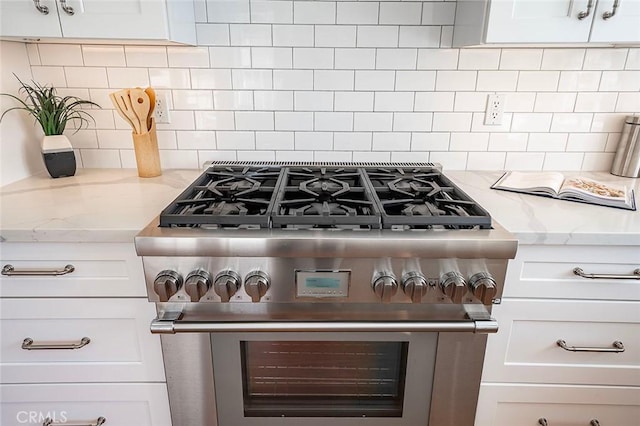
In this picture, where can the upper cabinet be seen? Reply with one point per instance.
(137, 20)
(547, 21)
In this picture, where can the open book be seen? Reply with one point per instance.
(581, 189)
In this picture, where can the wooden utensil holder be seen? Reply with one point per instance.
(147, 154)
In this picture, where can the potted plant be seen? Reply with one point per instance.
(53, 113)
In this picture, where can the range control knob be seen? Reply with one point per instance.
(256, 284)
(483, 287)
(454, 286)
(226, 284)
(414, 285)
(385, 286)
(198, 282)
(166, 284)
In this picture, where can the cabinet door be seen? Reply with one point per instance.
(20, 18)
(138, 19)
(622, 27)
(539, 21)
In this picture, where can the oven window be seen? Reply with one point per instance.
(323, 378)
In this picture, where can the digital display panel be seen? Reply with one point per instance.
(322, 284)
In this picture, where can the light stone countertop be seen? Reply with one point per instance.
(113, 205)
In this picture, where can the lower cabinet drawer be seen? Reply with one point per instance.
(526, 349)
(117, 345)
(524, 405)
(121, 404)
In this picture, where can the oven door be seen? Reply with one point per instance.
(367, 373)
(292, 379)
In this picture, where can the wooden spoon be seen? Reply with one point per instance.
(141, 105)
(122, 96)
(152, 100)
(117, 101)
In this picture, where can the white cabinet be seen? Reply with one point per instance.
(529, 375)
(76, 345)
(546, 21)
(141, 20)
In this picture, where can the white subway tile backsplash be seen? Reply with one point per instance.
(571, 122)
(360, 13)
(524, 161)
(274, 140)
(212, 34)
(271, 12)
(232, 100)
(82, 138)
(628, 102)
(393, 101)
(585, 142)
(60, 54)
(456, 80)
(438, 59)
(404, 13)
(33, 54)
(188, 57)
(250, 34)
(213, 120)
(296, 121)
(438, 13)
(446, 37)
(332, 156)
(450, 160)
(469, 141)
(235, 140)
(201, 139)
(193, 99)
(562, 161)
(293, 79)
(412, 121)
(377, 36)
(481, 59)
(538, 81)
(353, 101)
(432, 141)
(520, 102)
(230, 57)
(596, 102)
(547, 142)
(531, 122)
(120, 78)
(452, 121)
(409, 156)
(314, 12)
(355, 59)
(633, 59)
(226, 11)
(605, 59)
(106, 56)
(487, 160)
(600, 161)
(374, 80)
(252, 79)
(180, 120)
(313, 101)
(53, 76)
(521, 59)
(477, 123)
(101, 158)
(256, 155)
(508, 142)
(434, 101)
(497, 81)
(273, 100)
(174, 78)
(468, 101)
(372, 156)
(312, 58)
(143, 56)
(259, 120)
(333, 80)
(293, 35)
(200, 10)
(562, 59)
(397, 59)
(311, 141)
(574, 81)
(294, 156)
(372, 121)
(113, 139)
(419, 36)
(555, 102)
(204, 156)
(333, 121)
(210, 79)
(619, 81)
(335, 35)
(389, 141)
(604, 122)
(352, 141)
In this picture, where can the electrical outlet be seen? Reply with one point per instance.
(161, 111)
(495, 109)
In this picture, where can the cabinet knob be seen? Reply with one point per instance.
(166, 284)
(385, 286)
(256, 284)
(226, 284)
(454, 286)
(414, 285)
(198, 282)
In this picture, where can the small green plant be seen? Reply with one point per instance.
(50, 110)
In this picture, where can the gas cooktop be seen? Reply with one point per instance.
(335, 196)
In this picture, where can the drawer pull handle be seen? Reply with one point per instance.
(29, 345)
(42, 9)
(612, 13)
(543, 422)
(100, 421)
(583, 14)
(634, 276)
(617, 347)
(10, 271)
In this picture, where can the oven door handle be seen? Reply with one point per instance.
(169, 326)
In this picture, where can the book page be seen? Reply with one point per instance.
(594, 189)
(532, 181)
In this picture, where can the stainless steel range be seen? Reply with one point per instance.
(296, 294)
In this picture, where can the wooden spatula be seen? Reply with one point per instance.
(141, 105)
(124, 103)
(152, 100)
